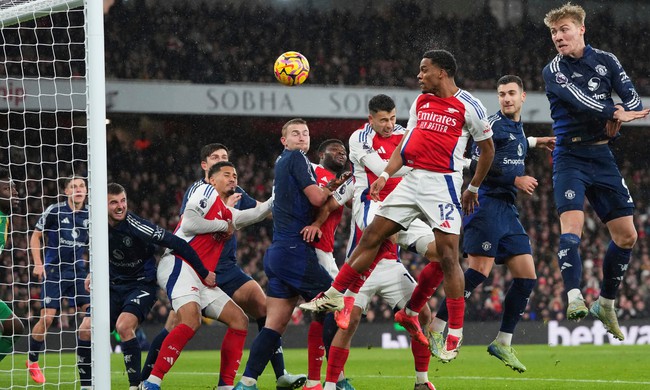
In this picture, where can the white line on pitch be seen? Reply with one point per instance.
(477, 378)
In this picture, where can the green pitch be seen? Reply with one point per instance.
(584, 367)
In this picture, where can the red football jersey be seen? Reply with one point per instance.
(326, 242)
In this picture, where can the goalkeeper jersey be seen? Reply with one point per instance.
(4, 229)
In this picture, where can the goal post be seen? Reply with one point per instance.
(96, 111)
(53, 126)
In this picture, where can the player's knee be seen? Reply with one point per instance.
(239, 322)
(355, 320)
(84, 335)
(47, 320)
(126, 331)
(371, 237)
(482, 267)
(172, 321)
(448, 263)
(84, 330)
(626, 240)
(193, 322)
(256, 307)
(426, 246)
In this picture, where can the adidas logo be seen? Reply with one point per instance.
(65, 220)
(445, 224)
(565, 266)
(512, 137)
(327, 306)
(575, 75)
(169, 360)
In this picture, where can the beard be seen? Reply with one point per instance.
(333, 165)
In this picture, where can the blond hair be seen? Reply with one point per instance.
(295, 121)
(568, 10)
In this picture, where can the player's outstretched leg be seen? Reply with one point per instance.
(412, 325)
(577, 309)
(571, 269)
(615, 264)
(330, 300)
(315, 351)
(436, 343)
(607, 315)
(35, 348)
(456, 310)
(514, 306)
(506, 354)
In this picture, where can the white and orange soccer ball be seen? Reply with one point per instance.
(291, 68)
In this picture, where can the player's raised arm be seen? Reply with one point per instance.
(243, 218)
(193, 219)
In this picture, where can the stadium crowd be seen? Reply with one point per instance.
(148, 42)
(156, 184)
(380, 46)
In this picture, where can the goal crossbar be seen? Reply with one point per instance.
(17, 11)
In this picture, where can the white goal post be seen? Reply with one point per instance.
(52, 97)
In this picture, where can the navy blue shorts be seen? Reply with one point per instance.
(232, 279)
(67, 285)
(494, 230)
(590, 171)
(136, 298)
(293, 269)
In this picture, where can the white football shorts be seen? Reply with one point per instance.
(364, 212)
(391, 281)
(183, 285)
(327, 261)
(430, 196)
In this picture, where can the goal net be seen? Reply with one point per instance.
(49, 114)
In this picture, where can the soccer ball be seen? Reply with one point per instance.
(291, 68)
